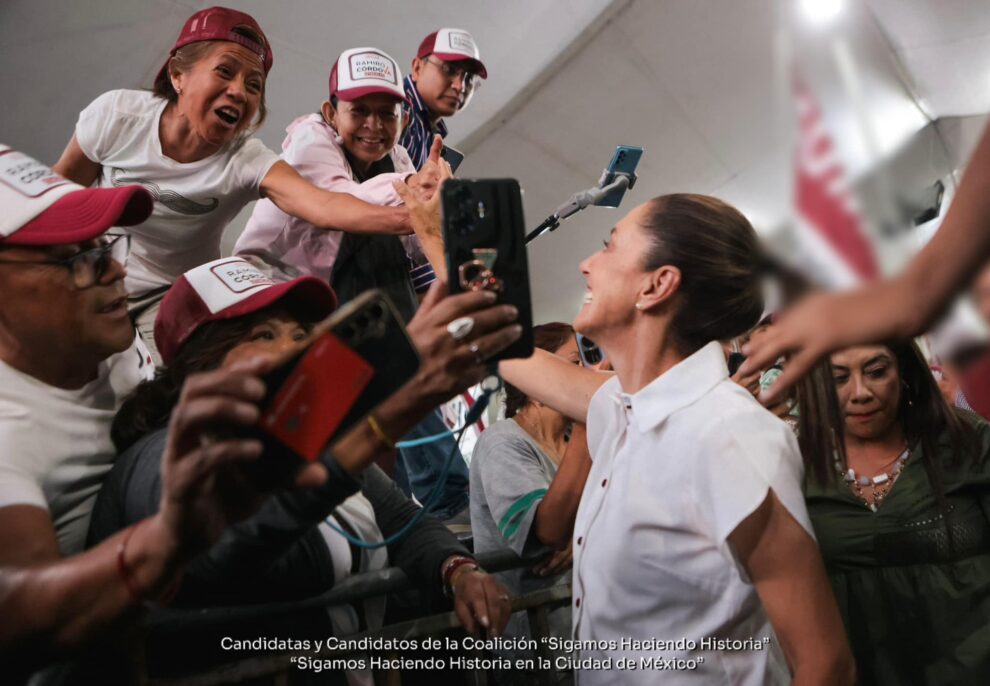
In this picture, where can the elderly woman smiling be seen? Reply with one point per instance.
(188, 142)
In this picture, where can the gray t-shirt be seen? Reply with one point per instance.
(510, 474)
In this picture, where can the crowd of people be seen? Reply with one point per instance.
(826, 505)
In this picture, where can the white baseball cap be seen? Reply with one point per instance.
(362, 71)
(453, 45)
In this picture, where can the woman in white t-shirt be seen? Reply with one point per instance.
(692, 535)
(189, 142)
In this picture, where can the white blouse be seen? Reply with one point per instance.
(677, 467)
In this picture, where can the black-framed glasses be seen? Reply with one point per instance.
(88, 266)
(471, 80)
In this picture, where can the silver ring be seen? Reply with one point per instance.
(478, 359)
(460, 327)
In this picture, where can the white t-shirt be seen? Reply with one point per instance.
(55, 446)
(677, 467)
(194, 201)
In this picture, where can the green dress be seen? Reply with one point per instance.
(916, 609)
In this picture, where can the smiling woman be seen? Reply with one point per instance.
(904, 522)
(189, 143)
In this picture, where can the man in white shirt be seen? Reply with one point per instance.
(67, 354)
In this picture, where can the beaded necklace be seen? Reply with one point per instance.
(879, 484)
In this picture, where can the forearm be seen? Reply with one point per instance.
(554, 522)
(433, 249)
(52, 608)
(554, 381)
(344, 212)
(396, 416)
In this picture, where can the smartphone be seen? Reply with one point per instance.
(735, 361)
(453, 156)
(485, 240)
(348, 364)
(624, 160)
(590, 353)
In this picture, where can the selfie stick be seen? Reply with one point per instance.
(579, 201)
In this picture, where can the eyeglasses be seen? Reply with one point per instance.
(88, 266)
(470, 80)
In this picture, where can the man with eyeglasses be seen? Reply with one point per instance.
(446, 72)
(68, 355)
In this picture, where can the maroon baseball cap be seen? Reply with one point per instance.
(362, 71)
(42, 208)
(218, 23)
(228, 288)
(453, 45)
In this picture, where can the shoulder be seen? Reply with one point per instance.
(136, 103)
(500, 440)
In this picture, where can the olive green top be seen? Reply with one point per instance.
(915, 600)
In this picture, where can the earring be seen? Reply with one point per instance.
(639, 306)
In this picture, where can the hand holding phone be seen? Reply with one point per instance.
(484, 236)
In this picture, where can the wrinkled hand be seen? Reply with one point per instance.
(423, 204)
(427, 180)
(556, 564)
(203, 488)
(450, 366)
(481, 602)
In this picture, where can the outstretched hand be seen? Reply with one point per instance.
(204, 489)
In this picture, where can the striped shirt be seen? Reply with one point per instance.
(418, 136)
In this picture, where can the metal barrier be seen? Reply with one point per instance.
(162, 623)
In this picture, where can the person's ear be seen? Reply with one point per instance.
(415, 69)
(329, 113)
(176, 77)
(659, 287)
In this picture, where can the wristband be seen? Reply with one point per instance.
(380, 432)
(451, 566)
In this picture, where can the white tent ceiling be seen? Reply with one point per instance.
(698, 83)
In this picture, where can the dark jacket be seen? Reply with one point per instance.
(278, 554)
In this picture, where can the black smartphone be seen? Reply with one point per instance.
(453, 156)
(350, 362)
(590, 353)
(735, 362)
(485, 240)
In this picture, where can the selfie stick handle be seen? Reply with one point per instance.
(579, 201)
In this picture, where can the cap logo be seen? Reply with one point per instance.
(240, 276)
(26, 175)
(461, 41)
(372, 65)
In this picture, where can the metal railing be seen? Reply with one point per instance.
(168, 623)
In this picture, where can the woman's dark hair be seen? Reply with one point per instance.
(550, 337)
(927, 420)
(188, 55)
(720, 260)
(150, 406)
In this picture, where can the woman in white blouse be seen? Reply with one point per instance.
(692, 536)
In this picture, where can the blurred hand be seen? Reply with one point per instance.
(449, 366)
(423, 203)
(481, 602)
(556, 564)
(427, 180)
(203, 488)
(816, 326)
(751, 381)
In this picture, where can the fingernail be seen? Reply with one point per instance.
(247, 413)
(512, 312)
(517, 330)
(484, 621)
(255, 388)
(490, 296)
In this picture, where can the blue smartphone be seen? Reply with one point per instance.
(624, 160)
(590, 353)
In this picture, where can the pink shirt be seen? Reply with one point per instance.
(293, 246)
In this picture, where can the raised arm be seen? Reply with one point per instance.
(75, 166)
(550, 379)
(784, 564)
(896, 308)
(296, 196)
(554, 522)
